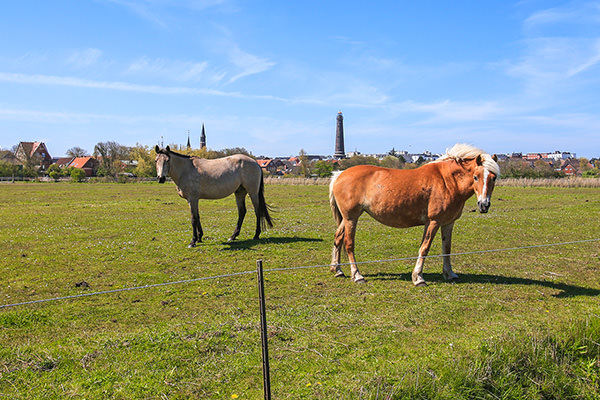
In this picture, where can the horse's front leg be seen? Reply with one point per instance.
(196, 227)
(431, 228)
(350, 233)
(447, 249)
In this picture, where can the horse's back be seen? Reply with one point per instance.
(394, 197)
(217, 178)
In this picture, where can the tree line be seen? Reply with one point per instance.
(111, 156)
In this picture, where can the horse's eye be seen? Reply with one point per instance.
(475, 178)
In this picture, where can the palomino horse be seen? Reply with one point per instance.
(199, 178)
(432, 195)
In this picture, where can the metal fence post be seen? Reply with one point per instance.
(263, 331)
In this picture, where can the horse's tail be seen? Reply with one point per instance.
(337, 215)
(263, 207)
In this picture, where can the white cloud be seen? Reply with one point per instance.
(182, 71)
(249, 64)
(585, 13)
(451, 111)
(125, 86)
(155, 11)
(84, 58)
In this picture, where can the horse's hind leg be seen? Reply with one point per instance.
(447, 249)
(350, 227)
(256, 203)
(336, 252)
(240, 199)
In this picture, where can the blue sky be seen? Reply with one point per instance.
(271, 76)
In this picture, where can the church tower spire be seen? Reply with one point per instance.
(339, 137)
(189, 145)
(203, 138)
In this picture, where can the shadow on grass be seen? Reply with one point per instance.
(566, 290)
(248, 244)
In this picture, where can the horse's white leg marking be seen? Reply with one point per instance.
(349, 242)
(336, 251)
(446, 250)
(429, 233)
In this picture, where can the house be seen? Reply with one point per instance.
(88, 164)
(63, 162)
(560, 155)
(271, 165)
(532, 156)
(569, 168)
(34, 152)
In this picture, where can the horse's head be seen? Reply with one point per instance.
(162, 163)
(484, 179)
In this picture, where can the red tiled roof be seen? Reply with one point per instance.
(80, 162)
(263, 163)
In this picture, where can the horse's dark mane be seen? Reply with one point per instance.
(177, 154)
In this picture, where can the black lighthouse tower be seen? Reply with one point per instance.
(339, 137)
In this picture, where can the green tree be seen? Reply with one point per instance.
(110, 155)
(77, 175)
(392, 162)
(77, 152)
(304, 163)
(584, 165)
(145, 157)
(55, 172)
(322, 168)
(358, 160)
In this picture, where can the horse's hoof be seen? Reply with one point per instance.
(231, 239)
(422, 283)
(191, 245)
(340, 275)
(256, 238)
(360, 281)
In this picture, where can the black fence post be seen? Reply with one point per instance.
(263, 331)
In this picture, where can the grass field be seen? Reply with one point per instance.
(519, 324)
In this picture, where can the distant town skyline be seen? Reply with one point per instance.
(500, 75)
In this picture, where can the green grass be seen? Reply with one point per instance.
(519, 324)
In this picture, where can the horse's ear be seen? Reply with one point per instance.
(157, 149)
(479, 160)
(495, 158)
(168, 148)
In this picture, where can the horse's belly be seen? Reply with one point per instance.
(399, 219)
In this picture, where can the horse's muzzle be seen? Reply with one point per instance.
(483, 206)
(161, 179)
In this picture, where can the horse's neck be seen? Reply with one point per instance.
(178, 167)
(462, 177)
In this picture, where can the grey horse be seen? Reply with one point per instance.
(198, 178)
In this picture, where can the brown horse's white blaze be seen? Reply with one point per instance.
(432, 195)
(198, 178)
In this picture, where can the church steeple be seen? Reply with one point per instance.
(203, 138)
(339, 137)
(189, 145)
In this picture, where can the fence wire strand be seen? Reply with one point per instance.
(205, 278)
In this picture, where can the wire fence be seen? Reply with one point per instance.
(184, 281)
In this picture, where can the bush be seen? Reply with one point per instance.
(77, 175)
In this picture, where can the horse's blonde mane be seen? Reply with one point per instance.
(462, 151)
